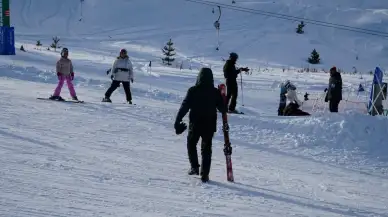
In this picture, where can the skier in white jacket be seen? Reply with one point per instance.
(122, 72)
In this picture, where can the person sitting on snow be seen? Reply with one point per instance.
(284, 87)
(292, 109)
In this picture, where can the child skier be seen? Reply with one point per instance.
(65, 72)
(122, 72)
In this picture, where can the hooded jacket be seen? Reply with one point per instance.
(122, 69)
(203, 100)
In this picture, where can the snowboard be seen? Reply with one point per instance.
(65, 100)
(227, 144)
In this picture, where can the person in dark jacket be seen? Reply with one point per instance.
(230, 74)
(334, 91)
(202, 100)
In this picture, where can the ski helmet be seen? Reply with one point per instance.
(124, 51)
(233, 55)
(64, 50)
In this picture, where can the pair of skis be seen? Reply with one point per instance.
(64, 100)
(227, 145)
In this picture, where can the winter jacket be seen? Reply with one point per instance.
(230, 71)
(202, 100)
(122, 69)
(64, 66)
(292, 97)
(283, 91)
(334, 92)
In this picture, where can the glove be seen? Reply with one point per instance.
(108, 71)
(325, 90)
(131, 80)
(59, 75)
(72, 76)
(180, 127)
(244, 69)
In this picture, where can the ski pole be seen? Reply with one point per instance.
(242, 90)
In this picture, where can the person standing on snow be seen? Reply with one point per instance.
(65, 72)
(230, 74)
(202, 100)
(334, 91)
(122, 72)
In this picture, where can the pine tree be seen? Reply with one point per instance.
(55, 43)
(299, 30)
(168, 52)
(38, 44)
(314, 59)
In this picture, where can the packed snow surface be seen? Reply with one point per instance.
(98, 159)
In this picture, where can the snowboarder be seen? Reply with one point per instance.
(292, 109)
(284, 87)
(230, 74)
(122, 72)
(65, 72)
(334, 91)
(202, 100)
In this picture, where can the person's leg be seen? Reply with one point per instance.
(71, 88)
(112, 88)
(57, 91)
(234, 92)
(192, 141)
(127, 90)
(206, 152)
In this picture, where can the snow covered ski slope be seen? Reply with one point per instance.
(98, 159)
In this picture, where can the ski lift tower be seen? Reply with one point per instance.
(7, 33)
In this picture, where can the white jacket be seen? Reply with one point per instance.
(122, 75)
(292, 97)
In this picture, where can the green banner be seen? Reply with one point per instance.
(6, 14)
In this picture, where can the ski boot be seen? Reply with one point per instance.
(58, 98)
(106, 100)
(193, 171)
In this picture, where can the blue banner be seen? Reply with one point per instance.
(7, 40)
(377, 80)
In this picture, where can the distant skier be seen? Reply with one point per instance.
(230, 74)
(65, 72)
(122, 72)
(202, 100)
(284, 87)
(334, 91)
(292, 108)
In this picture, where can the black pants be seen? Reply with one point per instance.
(282, 106)
(206, 149)
(333, 105)
(232, 92)
(115, 85)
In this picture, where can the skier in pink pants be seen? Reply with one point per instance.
(65, 73)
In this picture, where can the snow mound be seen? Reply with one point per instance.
(351, 140)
